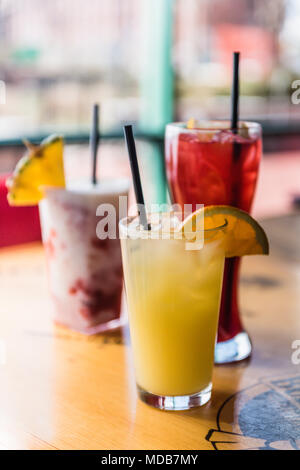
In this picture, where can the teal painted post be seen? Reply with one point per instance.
(156, 88)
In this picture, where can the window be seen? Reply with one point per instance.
(59, 57)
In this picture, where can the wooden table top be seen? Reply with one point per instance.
(62, 390)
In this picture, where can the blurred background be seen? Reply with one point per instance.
(150, 62)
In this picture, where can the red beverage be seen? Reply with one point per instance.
(212, 165)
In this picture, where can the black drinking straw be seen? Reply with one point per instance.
(235, 93)
(94, 141)
(136, 175)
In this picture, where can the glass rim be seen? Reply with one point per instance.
(124, 224)
(182, 125)
(83, 187)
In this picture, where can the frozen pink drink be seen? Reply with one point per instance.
(84, 271)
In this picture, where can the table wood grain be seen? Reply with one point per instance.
(62, 390)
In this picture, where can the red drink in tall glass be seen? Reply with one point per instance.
(212, 165)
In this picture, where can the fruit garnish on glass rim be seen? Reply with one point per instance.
(240, 233)
(42, 165)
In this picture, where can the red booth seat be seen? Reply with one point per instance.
(17, 224)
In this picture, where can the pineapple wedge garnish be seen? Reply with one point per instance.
(41, 166)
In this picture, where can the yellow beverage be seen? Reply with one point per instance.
(173, 299)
